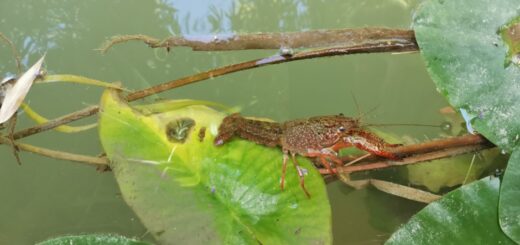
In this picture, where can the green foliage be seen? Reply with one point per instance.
(187, 191)
(509, 205)
(93, 239)
(469, 47)
(465, 54)
(462, 216)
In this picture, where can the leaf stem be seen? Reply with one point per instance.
(56, 154)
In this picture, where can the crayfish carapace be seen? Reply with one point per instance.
(318, 137)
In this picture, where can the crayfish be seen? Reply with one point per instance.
(319, 137)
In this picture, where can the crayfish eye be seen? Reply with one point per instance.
(341, 129)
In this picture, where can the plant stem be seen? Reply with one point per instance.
(16, 55)
(88, 111)
(56, 154)
(382, 46)
(276, 59)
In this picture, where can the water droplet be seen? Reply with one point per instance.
(286, 52)
(516, 59)
(446, 126)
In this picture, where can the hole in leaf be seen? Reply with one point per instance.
(178, 130)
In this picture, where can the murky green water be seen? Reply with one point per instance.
(45, 197)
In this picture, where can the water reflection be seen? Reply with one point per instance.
(70, 31)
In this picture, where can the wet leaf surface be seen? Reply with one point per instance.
(466, 55)
(509, 204)
(471, 51)
(187, 191)
(467, 215)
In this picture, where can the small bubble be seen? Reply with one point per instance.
(286, 52)
(446, 126)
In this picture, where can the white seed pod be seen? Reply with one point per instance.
(15, 94)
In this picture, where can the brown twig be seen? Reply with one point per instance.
(88, 111)
(16, 55)
(294, 40)
(11, 127)
(422, 152)
(57, 154)
(383, 46)
(276, 59)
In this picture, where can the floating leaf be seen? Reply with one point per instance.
(467, 215)
(187, 191)
(94, 239)
(471, 50)
(509, 204)
(465, 55)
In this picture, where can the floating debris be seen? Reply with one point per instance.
(468, 119)
(13, 95)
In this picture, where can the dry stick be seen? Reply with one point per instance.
(295, 40)
(11, 127)
(15, 52)
(410, 45)
(88, 111)
(57, 154)
(425, 152)
(276, 59)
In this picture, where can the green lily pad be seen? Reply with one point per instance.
(467, 215)
(465, 54)
(92, 239)
(471, 50)
(187, 191)
(509, 204)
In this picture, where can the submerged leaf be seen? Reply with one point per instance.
(190, 192)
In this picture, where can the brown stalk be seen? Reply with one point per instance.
(382, 46)
(290, 40)
(88, 111)
(16, 55)
(56, 154)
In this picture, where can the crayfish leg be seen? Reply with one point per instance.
(323, 156)
(300, 175)
(284, 167)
